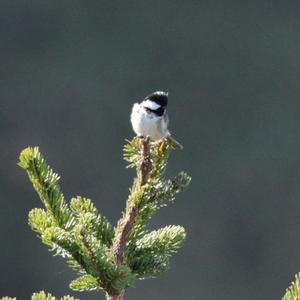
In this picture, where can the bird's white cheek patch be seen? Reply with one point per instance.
(150, 104)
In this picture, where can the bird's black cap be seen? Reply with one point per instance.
(161, 98)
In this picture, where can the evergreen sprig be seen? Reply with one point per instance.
(45, 182)
(108, 258)
(150, 256)
(293, 292)
(43, 296)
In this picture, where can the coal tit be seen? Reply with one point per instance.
(150, 118)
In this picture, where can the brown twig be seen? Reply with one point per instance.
(146, 165)
(115, 297)
(128, 221)
(128, 224)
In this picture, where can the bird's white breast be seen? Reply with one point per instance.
(148, 124)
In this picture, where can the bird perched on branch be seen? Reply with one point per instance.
(150, 118)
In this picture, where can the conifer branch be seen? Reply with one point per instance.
(151, 255)
(108, 258)
(293, 292)
(45, 182)
(127, 225)
(146, 165)
(43, 296)
(127, 222)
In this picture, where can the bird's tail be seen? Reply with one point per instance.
(175, 144)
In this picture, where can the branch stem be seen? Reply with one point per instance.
(115, 297)
(146, 165)
(128, 221)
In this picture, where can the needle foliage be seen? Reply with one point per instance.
(105, 257)
(43, 296)
(293, 292)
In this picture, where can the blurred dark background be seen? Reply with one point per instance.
(70, 72)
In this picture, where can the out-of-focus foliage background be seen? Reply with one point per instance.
(70, 71)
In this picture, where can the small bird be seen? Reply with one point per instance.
(150, 118)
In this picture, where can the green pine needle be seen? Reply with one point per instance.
(45, 182)
(84, 283)
(293, 292)
(43, 296)
(87, 214)
(86, 239)
(152, 252)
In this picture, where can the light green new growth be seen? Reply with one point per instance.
(42, 296)
(105, 257)
(293, 292)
